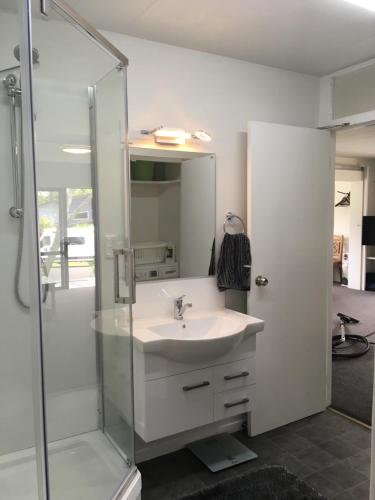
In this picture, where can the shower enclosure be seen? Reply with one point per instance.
(66, 389)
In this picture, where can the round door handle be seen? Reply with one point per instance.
(261, 281)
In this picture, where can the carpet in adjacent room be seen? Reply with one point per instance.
(352, 379)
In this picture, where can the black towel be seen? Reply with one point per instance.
(212, 270)
(235, 254)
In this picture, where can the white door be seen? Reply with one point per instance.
(290, 224)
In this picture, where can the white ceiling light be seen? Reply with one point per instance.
(76, 149)
(365, 4)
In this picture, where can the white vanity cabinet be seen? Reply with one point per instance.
(173, 397)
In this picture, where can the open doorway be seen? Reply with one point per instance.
(354, 271)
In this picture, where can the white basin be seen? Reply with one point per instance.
(191, 328)
(202, 335)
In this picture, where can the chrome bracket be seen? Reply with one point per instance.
(43, 7)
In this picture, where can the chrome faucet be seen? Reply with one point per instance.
(180, 307)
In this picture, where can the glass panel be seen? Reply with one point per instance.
(82, 199)
(50, 234)
(354, 92)
(81, 237)
(109, 104)
(19, 321)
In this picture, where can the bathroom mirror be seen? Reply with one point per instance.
(172, 213)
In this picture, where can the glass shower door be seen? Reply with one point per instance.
(82, 176)
(115, 259)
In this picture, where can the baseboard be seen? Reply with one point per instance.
(146, 451)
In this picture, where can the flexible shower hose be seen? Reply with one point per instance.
(21, 227)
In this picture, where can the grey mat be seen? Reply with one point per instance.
(352, 379)
(268, 483)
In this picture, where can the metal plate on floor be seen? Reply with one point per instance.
(221, 452)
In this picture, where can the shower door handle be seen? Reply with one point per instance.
(128, 254)
(43, 7)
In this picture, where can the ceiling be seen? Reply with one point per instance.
(356, 142)
(308, 36)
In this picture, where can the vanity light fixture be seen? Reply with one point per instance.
(175, 136)
(76, 149)
(365, 4)
(202, 135)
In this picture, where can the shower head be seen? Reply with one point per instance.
(16, 53)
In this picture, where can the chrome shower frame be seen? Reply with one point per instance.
(72, 15)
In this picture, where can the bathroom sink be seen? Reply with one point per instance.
(191, 328)
(201, 335)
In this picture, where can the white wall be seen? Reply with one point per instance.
(155, 213)
(145, 207)
(342, 214)
(190, 89)
(348, 222)
(16, 407)
(356, 215)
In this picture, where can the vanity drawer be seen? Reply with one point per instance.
(234, 375)
(178, 403)
(234, 402)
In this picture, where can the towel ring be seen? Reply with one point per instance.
(228, 219)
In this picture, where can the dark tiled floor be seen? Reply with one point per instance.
(329, 452)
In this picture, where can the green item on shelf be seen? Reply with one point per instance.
(159, 171)
(142, 170)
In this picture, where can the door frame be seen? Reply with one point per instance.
(331, 215)
(334, 127)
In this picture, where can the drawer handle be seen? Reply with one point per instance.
(239, 375)
(237, 403)
(197, 386)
